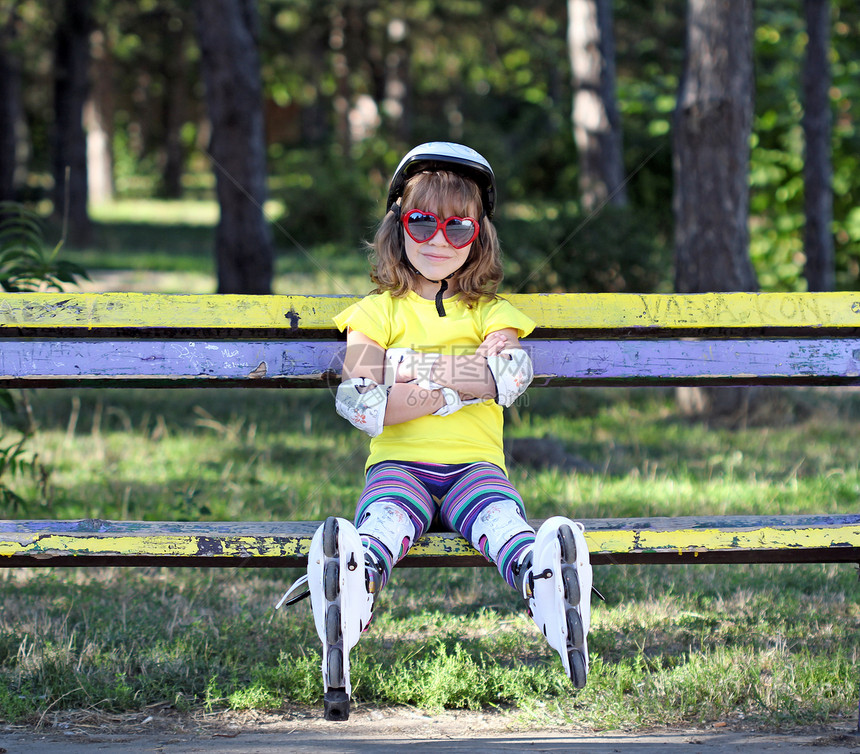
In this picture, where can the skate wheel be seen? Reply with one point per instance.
(568, 544)
(329, 542)
(332, 625)
(577, 668)
(571, 584)
(335, 667)
(331, 580)
(575, 634)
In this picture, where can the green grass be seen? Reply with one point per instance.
(767, 645)
(168, 246)
(771, 645)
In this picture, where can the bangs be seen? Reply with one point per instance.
(444, 194)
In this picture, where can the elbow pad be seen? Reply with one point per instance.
(362, 403)
(512, 370)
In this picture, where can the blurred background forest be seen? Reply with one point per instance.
(347, 86)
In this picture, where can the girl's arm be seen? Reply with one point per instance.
(366, 358)
(469, 375)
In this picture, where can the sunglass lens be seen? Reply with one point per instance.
(460, 231)
(421, 227)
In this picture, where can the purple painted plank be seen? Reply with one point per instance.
(678, 358)
(162, 358)
(309, 362)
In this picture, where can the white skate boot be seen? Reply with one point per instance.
(555, 579)
(342, 602)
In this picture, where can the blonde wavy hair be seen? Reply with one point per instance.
(445, 194)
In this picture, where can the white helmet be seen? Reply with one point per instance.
(445, 155)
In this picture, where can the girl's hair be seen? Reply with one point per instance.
(445, 194)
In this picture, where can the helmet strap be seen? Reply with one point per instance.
(443, 284)
(440, 307)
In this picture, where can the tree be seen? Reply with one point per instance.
(98, 113)
(713, 122)
(10, 107)
(596, 122)
(227, 33)
(171, 25)
(820, 269)
(71, 89)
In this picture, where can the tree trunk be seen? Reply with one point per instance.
(711, 160)
(10, 111)
(173, 104)
(315, 126)
(711, 170)
(340, 70)
(596, 122)
(71, 88)
(98, 113)
(227, 34)
(818, 238)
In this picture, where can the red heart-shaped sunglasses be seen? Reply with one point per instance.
(458, 231)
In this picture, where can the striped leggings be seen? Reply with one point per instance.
(401, 499)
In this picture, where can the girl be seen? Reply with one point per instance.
(432, 356)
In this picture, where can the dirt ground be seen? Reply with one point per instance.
(371, 730)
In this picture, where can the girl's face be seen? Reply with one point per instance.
(445, 195)
(435, 259)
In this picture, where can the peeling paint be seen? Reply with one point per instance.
(96, 540)
(601, 311)
(260, 372)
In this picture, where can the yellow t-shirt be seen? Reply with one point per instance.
(472, 434)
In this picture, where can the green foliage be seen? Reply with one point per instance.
(14, 706)
(16, 461)
(327, 199)
(25, 263)
(776, 178)
(452, 673)
(554, 248)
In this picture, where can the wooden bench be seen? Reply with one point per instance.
(151, 340)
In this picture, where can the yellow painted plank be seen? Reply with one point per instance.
(52, 545)
(111, 310)
(553, 311)
(714, 540)
(434, 545)
(704, 310)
